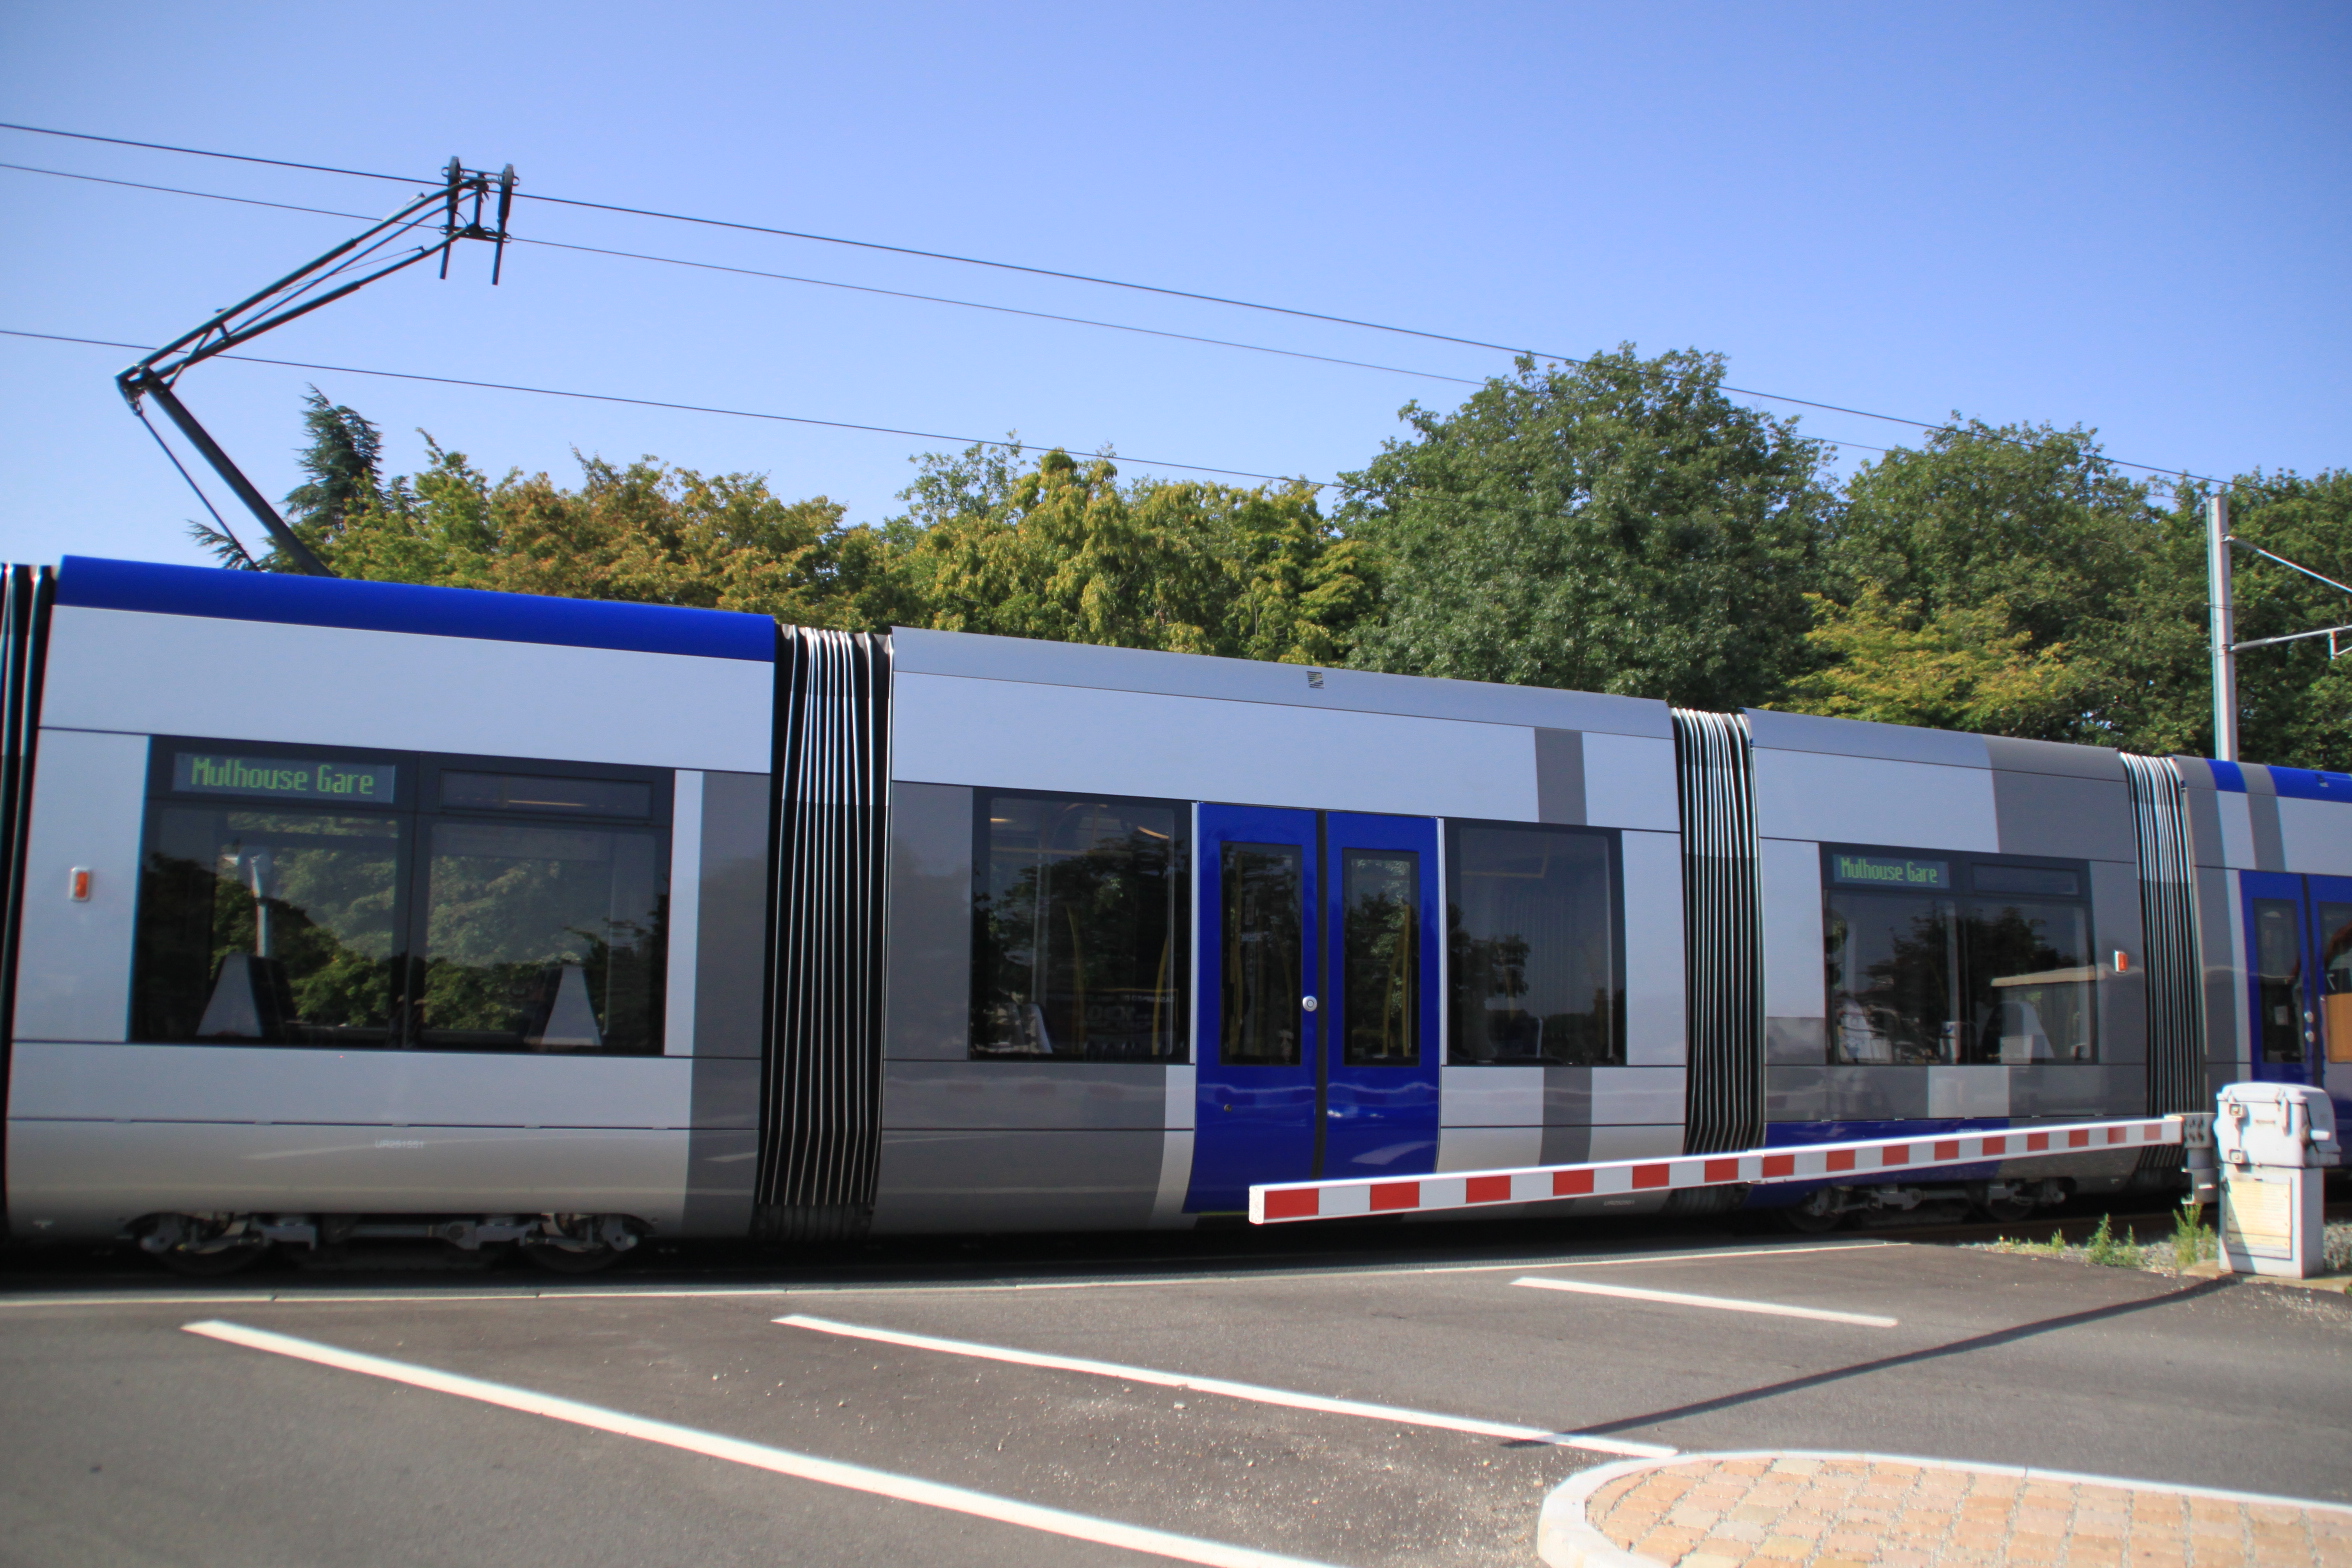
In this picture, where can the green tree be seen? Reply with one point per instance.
(1616, 526)
(2294, 701)
(1963, 668)
(342, 462)
(2003, 579)
(1059, 549)
(647, 533)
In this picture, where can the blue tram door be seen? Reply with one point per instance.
(1318, 1041)
(2299, 977)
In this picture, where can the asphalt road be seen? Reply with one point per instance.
(126, 1439)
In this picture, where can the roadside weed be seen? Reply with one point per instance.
(2104, 1248)
(2193, 1240)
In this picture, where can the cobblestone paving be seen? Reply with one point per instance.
(1837, 1513)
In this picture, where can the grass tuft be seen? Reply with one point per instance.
(2103, 1247)
(2193, 1241)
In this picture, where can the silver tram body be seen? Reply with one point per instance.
(346, 902)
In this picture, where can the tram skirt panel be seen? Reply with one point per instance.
(821, 1071)
(1723, 936)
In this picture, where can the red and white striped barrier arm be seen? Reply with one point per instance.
(1279, 1202)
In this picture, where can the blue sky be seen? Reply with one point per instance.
(2132, 217)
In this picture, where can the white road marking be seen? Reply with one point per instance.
(459, 1296)
(806, 1467)
(1676, 1298)
(1256, 1393)
(1686, 1257)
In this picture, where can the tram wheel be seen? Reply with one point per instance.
(211, 1265)
(2006, 1211)
(1814, 1213)
(559, 1260)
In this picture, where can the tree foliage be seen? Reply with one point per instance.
(1997, 579)
(1059, 549)
(343, 465)
(645, 533)
(1620, 525)
(2294, 701)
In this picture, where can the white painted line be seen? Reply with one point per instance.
(805, 1467)
(1256, 1393)
(1686, 1257)
(1676, 1298)
(461, 1297)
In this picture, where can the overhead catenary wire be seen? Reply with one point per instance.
(781, 277)
(676, 261)
(1931, 426)
(685, 408)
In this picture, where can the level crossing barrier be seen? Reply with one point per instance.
(1277, 1203)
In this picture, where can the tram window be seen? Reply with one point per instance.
(1893, 970)
(538, 938)
(2335, 972)
(1534, 946)
(1380, 893)
(1078, 932)
(273, 911)
(2029, 978)
(2026, 879)
(1262, 888)
(268, 927)
(571, 797)
(2278, 978)
(1919, 975)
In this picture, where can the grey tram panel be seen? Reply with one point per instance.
(1245, 680)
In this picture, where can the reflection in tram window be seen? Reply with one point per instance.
(1534, 946)
(539, 938)
(1893, 971)
(1380, 891)
(290, 918)
(1918, 975)
(268, 927)
(2030, 977)
(2335, 969)
(2278, 978)
(1262, 888)
(1079, 912)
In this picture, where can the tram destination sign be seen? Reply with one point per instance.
(286, 778)
(1890, 871)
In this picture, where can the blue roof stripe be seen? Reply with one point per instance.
(96, 584)
(2228, 776)
(2308, 784)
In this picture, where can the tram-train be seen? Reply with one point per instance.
(343, 909)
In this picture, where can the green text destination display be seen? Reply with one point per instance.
(287, 778)
(1889, 871)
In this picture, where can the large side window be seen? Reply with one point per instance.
(1535, 949)
(542, 926)
(316, 897)
(1956, 959)
(1080, 909)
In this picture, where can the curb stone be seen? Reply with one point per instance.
(1565, 1538)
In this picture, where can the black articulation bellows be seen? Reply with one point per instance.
(25, 596)
(821, 1061)
(2168, 910)
(1723, 933)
